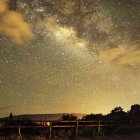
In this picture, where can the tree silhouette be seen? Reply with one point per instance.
(135, 108)
(96, 117)
(117, 114)
(11, 116)
(117, 110)
(134, 113)
(68, 117)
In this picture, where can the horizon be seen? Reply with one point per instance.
(58, 113)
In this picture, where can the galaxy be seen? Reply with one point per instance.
(69, 56)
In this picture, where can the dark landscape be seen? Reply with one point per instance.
(117, 125)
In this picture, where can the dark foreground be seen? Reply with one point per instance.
(115, 137)
(121, 134)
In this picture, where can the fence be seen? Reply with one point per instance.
(50, 125)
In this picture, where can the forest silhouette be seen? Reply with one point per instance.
(117, 115)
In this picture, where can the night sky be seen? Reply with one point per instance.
(69, 56)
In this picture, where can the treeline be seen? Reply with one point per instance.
(117, 114)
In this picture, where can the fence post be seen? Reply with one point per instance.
(50, 131)
(77, 128)
(19, 133)
(99, 128)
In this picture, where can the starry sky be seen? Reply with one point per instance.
(69, 56)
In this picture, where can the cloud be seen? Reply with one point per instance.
(13, 25)
(3, 6)
(126, 55)
(5, 107)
